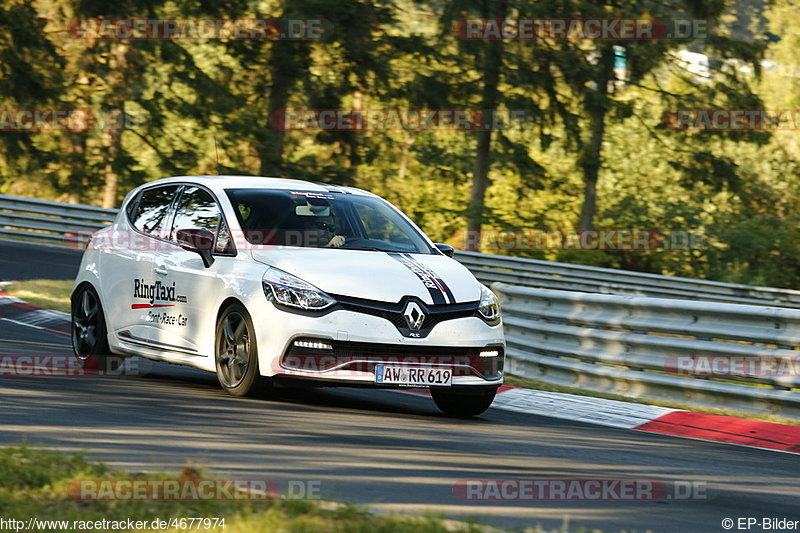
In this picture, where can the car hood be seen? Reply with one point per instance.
(387, 277)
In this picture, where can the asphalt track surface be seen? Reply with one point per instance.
(22, 260)
(389, 450)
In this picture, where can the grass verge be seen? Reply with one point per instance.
(34, 484)
(47, 293)
(54, 294)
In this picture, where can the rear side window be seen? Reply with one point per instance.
(150, 214)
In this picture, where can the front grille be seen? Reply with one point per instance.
(393, 312)
(362, 357)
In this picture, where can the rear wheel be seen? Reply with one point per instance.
(237, 353)
(89, 333)
(464, 402)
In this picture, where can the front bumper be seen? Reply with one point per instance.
(355, 362)
(359, 341)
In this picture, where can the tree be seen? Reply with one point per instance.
(30, 77)
(588, 70)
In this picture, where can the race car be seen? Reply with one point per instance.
(272, 282)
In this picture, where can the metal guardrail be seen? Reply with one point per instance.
(582, 278)
(50, 222)
(562, 329)
(737, 357)
(62, 223)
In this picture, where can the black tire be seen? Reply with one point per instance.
(89, 332)
(463, 402)
(236, 354)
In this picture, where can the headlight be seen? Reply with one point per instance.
(294, 292)
(489, 307)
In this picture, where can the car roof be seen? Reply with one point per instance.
(219, 183)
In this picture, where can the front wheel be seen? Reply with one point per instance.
(237, 353)
(463, 402)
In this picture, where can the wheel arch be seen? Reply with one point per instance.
(82, 285)
(227, 302)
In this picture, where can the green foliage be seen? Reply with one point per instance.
(39, 483)
(203, 106)
(31, 468)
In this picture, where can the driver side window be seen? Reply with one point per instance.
(197, 209)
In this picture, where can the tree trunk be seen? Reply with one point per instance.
(493, 61)
(75, 146)
(591, 158)
(288, 64)
(270, 146)
(405, 155)
(352, 138)
(113, 127)
(112, 139)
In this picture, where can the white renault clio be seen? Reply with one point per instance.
(266, 280)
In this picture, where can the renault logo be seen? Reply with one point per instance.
(414, 316)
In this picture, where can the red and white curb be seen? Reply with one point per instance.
(22, 313)
(587, 409)
(642, 417)
(650, 418)
(599, 411)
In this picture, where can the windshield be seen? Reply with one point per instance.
(323, 220)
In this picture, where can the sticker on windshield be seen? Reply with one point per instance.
(320, 195)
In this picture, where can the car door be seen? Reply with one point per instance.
(127, 264)
(192, 285)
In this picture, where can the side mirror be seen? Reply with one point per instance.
(199, 241)
(446, 249)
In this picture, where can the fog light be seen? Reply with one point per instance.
(313, 345)
(489, 353)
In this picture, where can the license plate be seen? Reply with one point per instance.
(413, 376)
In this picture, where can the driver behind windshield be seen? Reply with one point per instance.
(319, 231)
(314, 217)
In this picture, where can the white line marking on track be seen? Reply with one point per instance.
(35, 327)
(23, 324)
(612, 413)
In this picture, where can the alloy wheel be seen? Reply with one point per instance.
(85, 324)
(233, 349)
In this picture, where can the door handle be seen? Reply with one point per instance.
(160, 270)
